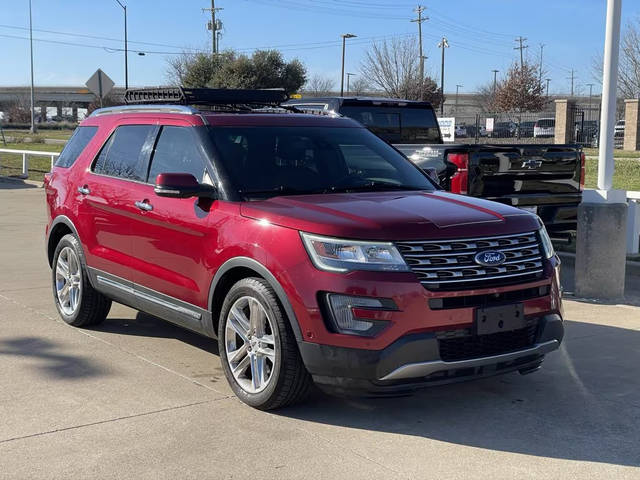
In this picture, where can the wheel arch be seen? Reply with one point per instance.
(236, 269)
(61, 226)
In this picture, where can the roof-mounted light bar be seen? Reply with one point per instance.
(204, 96)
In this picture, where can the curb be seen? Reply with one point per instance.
(20, 180)
(632, 266)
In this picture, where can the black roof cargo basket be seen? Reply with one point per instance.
(205, 96)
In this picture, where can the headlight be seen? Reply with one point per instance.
(336, 255)
(547, 246)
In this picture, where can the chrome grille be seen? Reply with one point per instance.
(449, 264)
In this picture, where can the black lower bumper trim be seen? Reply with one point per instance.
(414, 362)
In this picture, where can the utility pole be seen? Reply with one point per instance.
(548, 80)
(213, 26)
(572, 78)
(344, 41)
(542, 45)
(443, 44)
(521, 40)
(349, 75)
(495, 80)
(33, 123)
(419, 9)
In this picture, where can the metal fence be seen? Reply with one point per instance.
(7, 168)
(505, 127)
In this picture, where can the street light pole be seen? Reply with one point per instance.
(495, 80)
(458, 87)
(344, 41)
(349, 75)
(33, 128)
(126, 60)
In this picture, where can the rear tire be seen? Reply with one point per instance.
(258, 349)
(78, 303)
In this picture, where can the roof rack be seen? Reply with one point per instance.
(204, 96)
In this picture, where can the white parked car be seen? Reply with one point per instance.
(618, 130)
(461, 130)
(544, 127)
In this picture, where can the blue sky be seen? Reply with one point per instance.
(481, 35)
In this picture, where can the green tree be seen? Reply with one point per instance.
(229, 69)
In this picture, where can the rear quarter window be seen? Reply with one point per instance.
(126, 153)
(74, 147)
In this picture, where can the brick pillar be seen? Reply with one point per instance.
(565, 129)
(631, 125)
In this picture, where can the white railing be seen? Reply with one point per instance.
(25, 158)
(633, 222)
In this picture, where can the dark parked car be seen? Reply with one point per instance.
(312, 249)
(503, 130)
(525, 129)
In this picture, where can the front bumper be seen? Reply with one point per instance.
(414, 362)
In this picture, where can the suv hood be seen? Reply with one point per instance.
(391, 215)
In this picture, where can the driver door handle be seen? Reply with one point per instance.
(84, 190)
(144, 205)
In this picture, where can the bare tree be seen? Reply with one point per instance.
(629, 67)
(487, 98)
(359, 86)
(318, 86)
(393, 66)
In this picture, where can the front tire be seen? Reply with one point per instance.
(78, 303)
(258, 350)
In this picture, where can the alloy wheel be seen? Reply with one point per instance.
(68, 281)
(250, 344)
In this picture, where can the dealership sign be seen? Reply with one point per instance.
(447, 129)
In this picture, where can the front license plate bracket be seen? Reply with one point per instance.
(502, 318)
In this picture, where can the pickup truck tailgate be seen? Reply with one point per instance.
(526, 174)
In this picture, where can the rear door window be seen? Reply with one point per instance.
(126, 153)
(74, 147)
(177, 152)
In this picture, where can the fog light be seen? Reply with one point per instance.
(345, 320)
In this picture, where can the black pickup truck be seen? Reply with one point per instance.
(546, 179)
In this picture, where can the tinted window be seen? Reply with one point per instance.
(125, 155)
(396, 124)
(177, 152)
(269, 161)
(76, 144)
(546, 123)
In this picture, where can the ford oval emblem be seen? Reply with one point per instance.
(490, 258)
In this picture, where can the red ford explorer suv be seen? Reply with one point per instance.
(310, 248)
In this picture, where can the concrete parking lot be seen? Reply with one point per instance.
(139, 398)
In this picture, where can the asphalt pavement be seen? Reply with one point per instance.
(139, 398)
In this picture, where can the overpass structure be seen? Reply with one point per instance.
(47, 97)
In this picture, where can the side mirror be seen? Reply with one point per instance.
(182, 185)
(432, 173)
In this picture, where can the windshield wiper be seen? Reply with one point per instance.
(373, 186)
(279, 190)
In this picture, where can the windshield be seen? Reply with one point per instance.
(546, 123)
(399, 125)
(268, 161)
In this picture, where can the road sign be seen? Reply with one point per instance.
(100, 84)
(447, 129)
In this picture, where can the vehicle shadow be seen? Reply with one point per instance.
(10, 183)
(584, 404)
(52, 360)
(145, 325)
